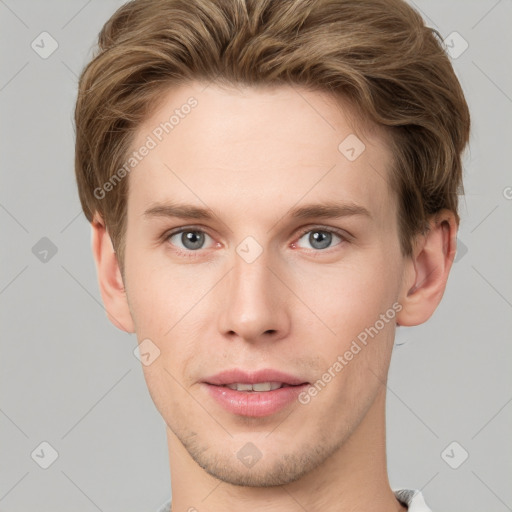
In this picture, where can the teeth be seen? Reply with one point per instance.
(259, 386)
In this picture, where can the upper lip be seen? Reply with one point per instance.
(236, 375)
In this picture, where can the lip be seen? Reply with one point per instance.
(264, 375)
(254, 404)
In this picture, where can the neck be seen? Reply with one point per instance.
(353, 478)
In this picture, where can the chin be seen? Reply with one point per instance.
(269, 470)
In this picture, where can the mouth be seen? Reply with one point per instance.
(257, 394)
(258, 386)
(259, 380)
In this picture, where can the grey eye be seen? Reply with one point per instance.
(190, 239)
(319, 238)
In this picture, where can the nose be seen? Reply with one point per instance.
(254, 301)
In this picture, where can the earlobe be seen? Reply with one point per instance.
(427, 271)
(109, 277)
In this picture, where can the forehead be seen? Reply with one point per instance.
(258, 149)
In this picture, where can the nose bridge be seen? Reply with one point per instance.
(252, 306)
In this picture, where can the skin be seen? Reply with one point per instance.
(251, 155)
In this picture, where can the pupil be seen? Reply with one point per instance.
(192, 239)
(320, 237)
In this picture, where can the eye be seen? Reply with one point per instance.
(191, 240)
(321, 238)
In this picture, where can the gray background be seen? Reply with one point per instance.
(70, 378)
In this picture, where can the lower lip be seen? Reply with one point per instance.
(255, 403)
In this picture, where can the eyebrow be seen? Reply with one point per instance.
(323, 210)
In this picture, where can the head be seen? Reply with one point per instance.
(251, 111)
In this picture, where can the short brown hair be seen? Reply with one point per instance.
(378, 54)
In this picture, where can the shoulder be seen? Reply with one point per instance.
(412, 498)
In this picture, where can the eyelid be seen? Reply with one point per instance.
(180, 229)
(330, 229)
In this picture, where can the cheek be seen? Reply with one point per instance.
(348, 298)
(350, 301)
(158, 297)
(166, 305)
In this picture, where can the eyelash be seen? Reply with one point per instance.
(194, 254)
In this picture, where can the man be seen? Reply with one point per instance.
(272, 189)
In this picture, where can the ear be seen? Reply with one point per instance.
(109, 277)
(427, 270)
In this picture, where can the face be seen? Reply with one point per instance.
(266, 281)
